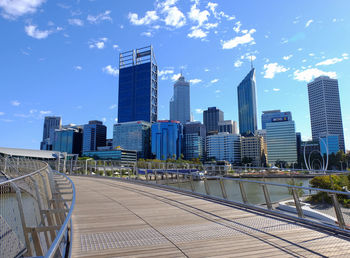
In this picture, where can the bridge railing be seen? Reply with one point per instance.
(35, 209)
(326, 208)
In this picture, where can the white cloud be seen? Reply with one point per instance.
(11, 9)
(218, 91)
(272, 69)
(165, 72)
(209, 26)
(99, 44)
(76, 22)
(197, 15)
(175, 77)
(345, 56)
(197, 33)
(174, 17)
(33, 32)
(112, 106)
(330, 61)
(15, 103)
(195, 81)
(237, 27)
(116, 119)
(287, 57)
(308, 23)
(238, 63)
(150, 16)
(78, 68)
(100, 17)
(239, 40)
(45, 112)
(206, 70)
(214, 80)
(2, 113)
(110, 70)
(309, 74)
(115, 46)
(147, 34)
(276, 89)
(199, 111)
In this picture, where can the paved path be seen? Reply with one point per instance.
(120, 219)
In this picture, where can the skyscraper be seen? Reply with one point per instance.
(325, 111)
(224, 146)
(51, 123)
(138, 86)
(133, 136)
(247, 104)
(211, 119)
(94, 135)
(228, 126)
(273, 115)
(194, 140)
(166, 139)
(68, 140)
(180, 102)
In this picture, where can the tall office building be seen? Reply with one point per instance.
(281, 141)
(133, 136)
(138, 86)
(247, 104)
(68, 140)
(94, 135)
(224, 146)
(274, 115)
(180, 102)
(51, 123)
(228, 126)
(211, 119)
(325, 111)
(194, 134)
(166, 139)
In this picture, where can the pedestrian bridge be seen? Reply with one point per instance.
(119, 218)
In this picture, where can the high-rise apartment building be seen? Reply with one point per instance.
(166, 139)
(228, 126)
(138, 86)
(224, 146)
(194, 134)
(281, 142)
(274, 116)
(94, 135)
(253, 148)
(51, 123)
(179, 107)
(247, 104)
(133, 136)
(325, 111)
(211, 119)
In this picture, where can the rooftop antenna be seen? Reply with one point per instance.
(251, 61)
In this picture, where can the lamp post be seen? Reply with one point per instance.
(86, 165)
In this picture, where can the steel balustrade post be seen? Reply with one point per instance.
(191, 182)
(297, 203)
(206, 186)
(243, 193)
(178, 179)
(223, 189)
(146, 174)
(338, 212)
(166, 177)
(267, 196)
(156, 176)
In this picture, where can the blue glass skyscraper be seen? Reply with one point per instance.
(247, 104)
(166, 139)
(138, 86)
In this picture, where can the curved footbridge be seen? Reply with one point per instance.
(119, 218)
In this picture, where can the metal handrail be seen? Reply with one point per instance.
(55, 244)
(24, 176)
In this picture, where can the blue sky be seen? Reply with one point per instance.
(61, 57)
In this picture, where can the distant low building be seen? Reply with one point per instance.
(224, 146)
(125, 156)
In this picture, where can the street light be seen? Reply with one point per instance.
(86, 165)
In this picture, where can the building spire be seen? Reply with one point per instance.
(251, 61)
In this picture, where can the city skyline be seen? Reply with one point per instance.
(90, 90)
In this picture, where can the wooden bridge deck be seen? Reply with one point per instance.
(120, 219)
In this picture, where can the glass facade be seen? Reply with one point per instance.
(180, 103)
(224, 146)
(138, 86)
(247, 104)
(94, 136)
(166, 139)
(122, 155)
(68, 140)
(194, 140)
(330, 141)
(211, 119)
(133, 136)
(51, 123)
(274, 116)
(281, 142)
